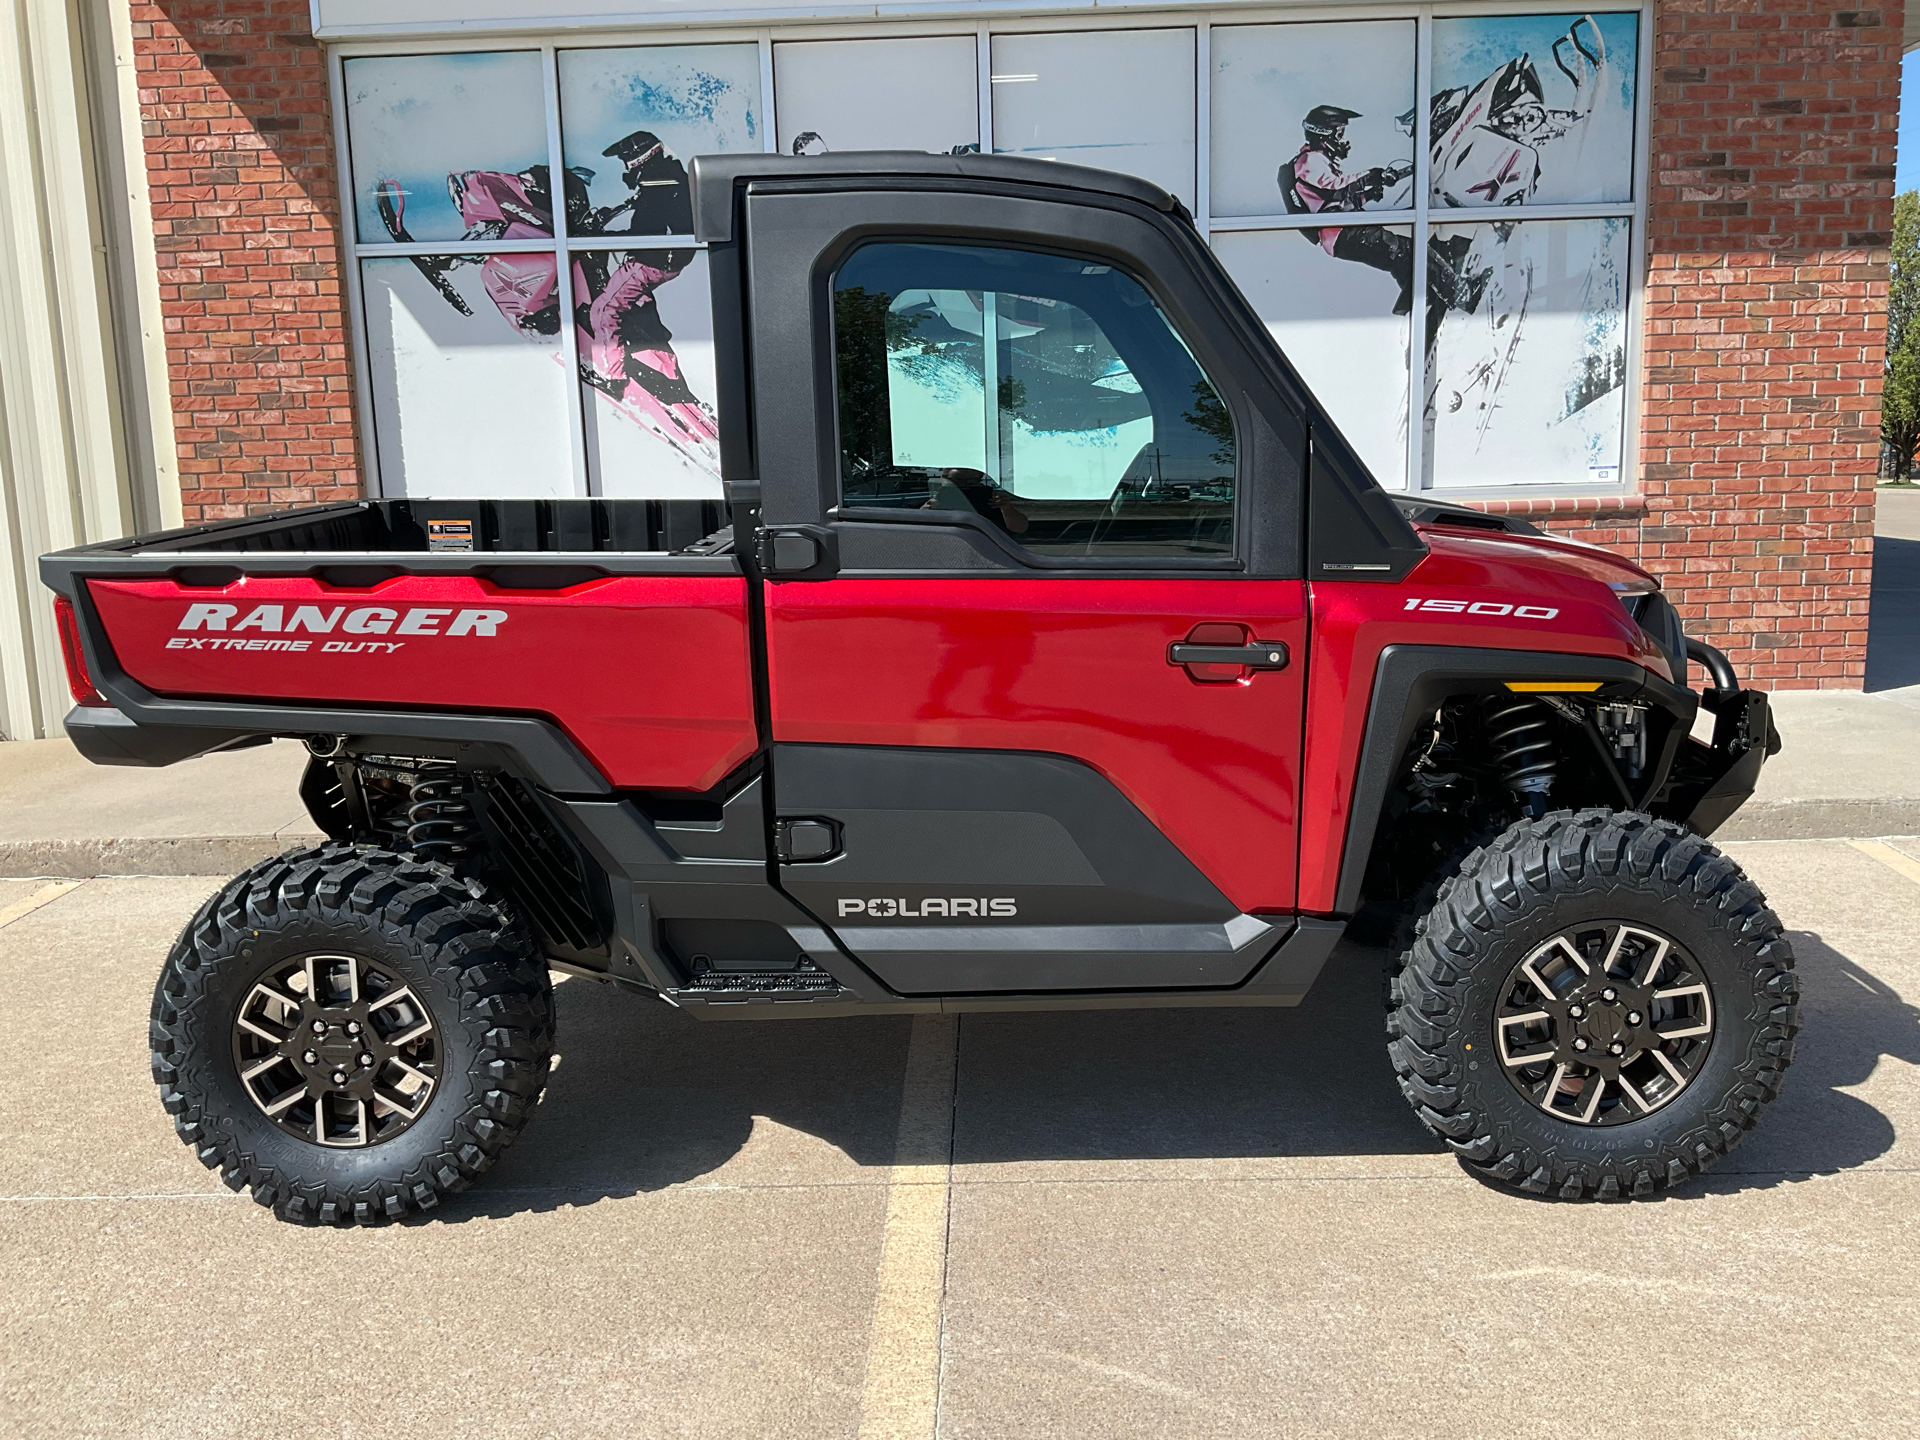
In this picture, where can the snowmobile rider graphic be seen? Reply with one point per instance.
(624, 349)
(627, 340)
(1313, 183)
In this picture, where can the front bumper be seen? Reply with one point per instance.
(1712, 781)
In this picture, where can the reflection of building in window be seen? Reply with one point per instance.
(1065, 413)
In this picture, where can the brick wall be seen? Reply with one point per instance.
(239, 141)
(1773, 136)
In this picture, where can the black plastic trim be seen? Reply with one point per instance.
(1409, 683)
(732, 359)
(1355, 531)
(107, 737)
(714, 178)
(526, 570)
(1259, 655)
(1425, 510)
(1005, 548)
(1284, 979)
(393, 536)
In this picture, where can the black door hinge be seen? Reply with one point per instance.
(796, 552)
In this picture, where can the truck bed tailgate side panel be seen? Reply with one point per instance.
(648, 674)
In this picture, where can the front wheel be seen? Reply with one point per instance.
(1597, 1005)
(351, 1034)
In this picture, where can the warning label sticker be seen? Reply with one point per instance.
(449, 534)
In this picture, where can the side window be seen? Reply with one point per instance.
(1044, 393)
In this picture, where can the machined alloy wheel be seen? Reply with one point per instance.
(1597, 1004)
(1604, 1023)
(336, 1050)
(350, 1034)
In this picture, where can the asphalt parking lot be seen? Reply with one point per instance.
(1110, 1224)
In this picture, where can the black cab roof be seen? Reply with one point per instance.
(715, 176)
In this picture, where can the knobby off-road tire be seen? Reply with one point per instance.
(1573, 874)
(407, 925)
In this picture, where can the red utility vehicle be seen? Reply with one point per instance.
(1051, 649)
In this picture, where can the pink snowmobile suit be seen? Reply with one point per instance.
(1322, 188)
(627, 288)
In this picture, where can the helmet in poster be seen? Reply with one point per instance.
(1517, 107)
(638, 153)
(1326, 129)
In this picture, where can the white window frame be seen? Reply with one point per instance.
(547, 39)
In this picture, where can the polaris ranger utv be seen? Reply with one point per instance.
(1050, 649)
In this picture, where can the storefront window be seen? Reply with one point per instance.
(1115, 99)
(418, 124)
(523, 336)
(1335, 300)
(469, 398)
(914, 93)
(630, 119)
(1307, 117)
(1515, 373)
(1531, 381)
(1533, 109)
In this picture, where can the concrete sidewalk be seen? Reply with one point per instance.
(62, 817)
(1849, 766)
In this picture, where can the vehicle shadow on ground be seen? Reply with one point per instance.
(1893, 615)
(1850, 1020)
(646, 1098)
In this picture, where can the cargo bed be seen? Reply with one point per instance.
(603, 642)
(436, 527)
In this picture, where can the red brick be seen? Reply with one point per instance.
(234, 109)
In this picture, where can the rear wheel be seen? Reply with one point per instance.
(351, 1034)
(1598, 1004)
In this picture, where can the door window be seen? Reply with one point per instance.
(1046, 394)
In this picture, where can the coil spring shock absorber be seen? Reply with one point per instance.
(440, 821)
(1520, 733)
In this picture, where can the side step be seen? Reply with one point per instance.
(807, 978)
(803, 984)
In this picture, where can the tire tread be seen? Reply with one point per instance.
(505, 999)
(1524, 865)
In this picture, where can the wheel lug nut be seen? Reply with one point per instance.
(1576, 1012)
(1609, 994)
(311, 1057)
(319, 1027)
(1616, 1048)
(339, 1077)
(353, 1027)
(1633, 1017)
(1581, 1043)
(366, 1059)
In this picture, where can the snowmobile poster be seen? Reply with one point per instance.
(640, 324)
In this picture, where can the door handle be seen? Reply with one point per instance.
(1259, 655)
